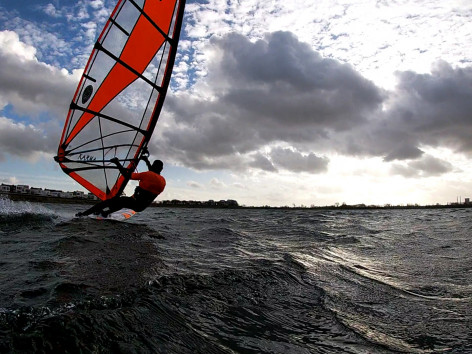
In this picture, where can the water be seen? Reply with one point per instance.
(235, 281)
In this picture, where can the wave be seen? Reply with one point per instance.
(222, 282)
(15, 216)
(11, 208)
(266, 307)
(363, 297)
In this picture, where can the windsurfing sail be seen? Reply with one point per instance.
(120, 95)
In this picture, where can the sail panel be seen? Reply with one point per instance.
(121, 93)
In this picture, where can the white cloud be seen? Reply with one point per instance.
(194, 184)
(29, 85)
(408, 35)
(10, 44)
(90, 30)
(97, 4)
(32, 88)
(9, 180)
(51, 10)
(215, 182)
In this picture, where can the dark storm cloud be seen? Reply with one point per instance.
(283, 81)
(432, 110)
(274, 90)
(278, 90)
(435, 109)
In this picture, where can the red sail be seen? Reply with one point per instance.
(121, 93)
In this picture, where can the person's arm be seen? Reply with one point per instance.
(123, 170)
(144, 157)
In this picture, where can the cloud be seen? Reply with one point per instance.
(427, 166)
(258, 101)
(10, 44)
(285, 82)
(51, 10)
(48, 42)
(278, 92)
(215, 182)
(194, 184)
(65, 37)
(90, 30)
(298, 162)
(9, 180)
(404, 152)
(435, 109)
(262, 162)
(22, 140)
(33, 89)
(424, 110)
(257, 94)
(30, 86)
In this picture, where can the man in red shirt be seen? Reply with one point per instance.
(151, 184)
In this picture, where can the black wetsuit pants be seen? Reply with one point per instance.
(138, 202)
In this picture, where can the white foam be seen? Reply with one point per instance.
(11, 208)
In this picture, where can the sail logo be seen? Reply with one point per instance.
(87, 94)
(83, 157)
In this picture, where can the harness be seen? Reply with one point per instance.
(143, 196)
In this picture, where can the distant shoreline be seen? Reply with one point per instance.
(18, 197)
(167, 204)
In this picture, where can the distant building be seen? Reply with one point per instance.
(78, 194)
(92, 196)
(467, 201)
(5, 188)
(53, 193)
(21, 188)
(24, 189)
(36, 191)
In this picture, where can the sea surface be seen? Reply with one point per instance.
(235, 281)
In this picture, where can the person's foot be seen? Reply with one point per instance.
(104, 213)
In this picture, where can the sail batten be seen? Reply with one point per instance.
(104, 116)
(121, 93)
(151, 21)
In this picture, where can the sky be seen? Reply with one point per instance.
(280, 103)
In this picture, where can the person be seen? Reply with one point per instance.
(151, 184)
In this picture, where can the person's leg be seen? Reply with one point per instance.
(97, 208)
(119, 203)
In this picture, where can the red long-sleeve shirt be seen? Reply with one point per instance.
(150, 181)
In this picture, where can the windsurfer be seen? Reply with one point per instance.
(151, 184)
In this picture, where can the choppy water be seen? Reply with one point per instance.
(235, 281)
